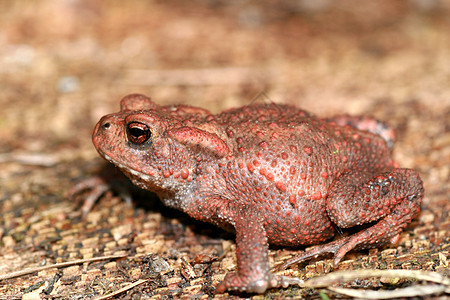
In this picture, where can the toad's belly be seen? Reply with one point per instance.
(295, 229)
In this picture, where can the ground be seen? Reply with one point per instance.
(64, 64)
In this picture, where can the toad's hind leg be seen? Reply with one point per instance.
(366, 124)
(391, 199)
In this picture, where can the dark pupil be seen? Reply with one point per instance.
(138, 133)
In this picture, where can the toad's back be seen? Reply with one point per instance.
(285, 160)
(281, 132)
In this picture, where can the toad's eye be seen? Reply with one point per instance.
(138, 133)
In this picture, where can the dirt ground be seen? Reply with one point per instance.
(64, 64)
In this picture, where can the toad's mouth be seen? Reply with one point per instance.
(147, 181)
(131, 173)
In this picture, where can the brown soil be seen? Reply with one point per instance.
(64, 64)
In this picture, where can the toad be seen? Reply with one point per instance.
(274, 173)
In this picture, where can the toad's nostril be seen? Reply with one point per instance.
(106, 125)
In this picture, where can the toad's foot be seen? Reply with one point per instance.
(234, 281)
(96, 186)
(314, 252)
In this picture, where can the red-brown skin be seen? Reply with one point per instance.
(275, 173)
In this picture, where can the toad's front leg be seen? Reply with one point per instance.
(253, 274)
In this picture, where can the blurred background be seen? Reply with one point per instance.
(66, 63)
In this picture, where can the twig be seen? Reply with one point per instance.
(32, 159)
(326, 281)
(411, 291)
(343, 276)
(59, 265)
(124, 289)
